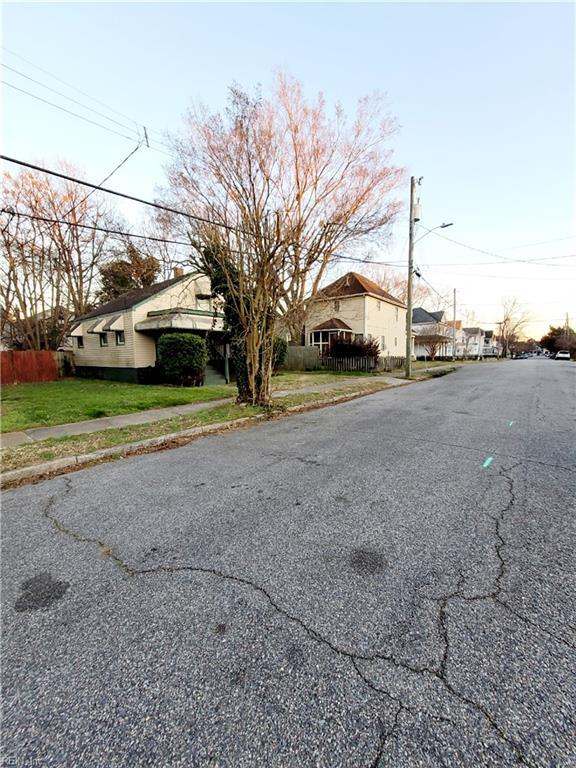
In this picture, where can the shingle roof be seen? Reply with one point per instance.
(131, 298)
(353, 284)
(332, 325)
(473, 331)
(420, 315)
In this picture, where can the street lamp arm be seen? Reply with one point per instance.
(440, 226)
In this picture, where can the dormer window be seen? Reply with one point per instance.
(337, 305)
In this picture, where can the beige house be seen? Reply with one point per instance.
(118, 340)
(355, 307)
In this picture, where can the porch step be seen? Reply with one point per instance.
(213, 376)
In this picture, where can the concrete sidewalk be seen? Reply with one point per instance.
(13, 439)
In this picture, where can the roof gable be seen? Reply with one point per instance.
(334, 324)
(132, 298)
(420, 315)
(354, 284)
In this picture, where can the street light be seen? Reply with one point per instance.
(415, 215)
(440, 226)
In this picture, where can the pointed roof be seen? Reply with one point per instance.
(131, 298)
(420, 315)
(354, 284)
(332, 325)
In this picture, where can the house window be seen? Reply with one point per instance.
(120, 339)
(379, 306)
(337, 305)
(103, 339)
(80, 342)
(395, 341)
(320, 339)
(358, 337)
(383, 343)
(396, 313)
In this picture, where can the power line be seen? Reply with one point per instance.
(80, 117)
(541, 242)
(69, 98)
(68, 111)
(83, 200)
(482, 250)
(504, 263)
(75, 88)
(120, 194)
(94, 227)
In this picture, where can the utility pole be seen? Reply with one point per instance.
(410, 272)
(454, 328)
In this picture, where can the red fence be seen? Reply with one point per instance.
(18, 367)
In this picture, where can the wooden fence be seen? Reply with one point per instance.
(20, 367)
(389, 363)
(365, 364)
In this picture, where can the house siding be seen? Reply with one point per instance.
(138, 352)
(389, 322)
(112, 356)
(361, 313)
(351, 311)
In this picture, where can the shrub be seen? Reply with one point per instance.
(182, 358)
(279, 352)
(358, 348)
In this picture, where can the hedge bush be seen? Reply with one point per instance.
(358, 348)
(182, 358)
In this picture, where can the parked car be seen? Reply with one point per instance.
(563, 354)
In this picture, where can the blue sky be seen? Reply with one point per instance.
(484, 94)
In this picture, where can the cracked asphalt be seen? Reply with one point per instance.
(348, 587)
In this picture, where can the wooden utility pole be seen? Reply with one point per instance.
(454, 328)
(408, 368)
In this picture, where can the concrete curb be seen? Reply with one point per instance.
(71, 463)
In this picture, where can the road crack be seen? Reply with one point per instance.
(440, 673)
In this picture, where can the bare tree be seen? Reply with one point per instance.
(395, 282)
(286, 187)
(514, 320)
(50, 257)
(433, 340)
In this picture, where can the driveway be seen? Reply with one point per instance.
(387, 582)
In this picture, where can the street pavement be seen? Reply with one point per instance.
(387, 582)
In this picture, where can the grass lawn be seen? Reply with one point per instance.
(56, 448)
(297, 379)
(59, 402)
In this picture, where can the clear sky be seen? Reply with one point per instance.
(484, 94)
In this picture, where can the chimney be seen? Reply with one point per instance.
(178, 271)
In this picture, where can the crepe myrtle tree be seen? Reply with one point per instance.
(281, 186)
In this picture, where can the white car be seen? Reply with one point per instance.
(563, 355)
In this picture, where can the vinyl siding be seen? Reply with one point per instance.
(139, 350)
(351, 312)
(383, 322)
(112, 356)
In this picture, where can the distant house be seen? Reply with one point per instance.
(474, 342)
(354, 307)
(457, 343)
(433, 333)
(118, 340)
(492, 345)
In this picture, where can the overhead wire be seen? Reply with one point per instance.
(123, 195)
(108, 230)
(482, 250)
(78, 90)
(81, 117)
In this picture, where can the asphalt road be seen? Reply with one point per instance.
(356, 586)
